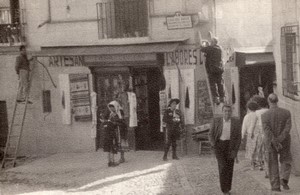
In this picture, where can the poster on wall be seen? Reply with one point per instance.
(80, 97)
(163, 104)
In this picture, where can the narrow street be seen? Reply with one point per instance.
(143, 173)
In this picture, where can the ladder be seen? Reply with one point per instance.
(16, 127)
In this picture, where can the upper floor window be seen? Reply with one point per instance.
(122, 18)
(10, 23)
(290, 61)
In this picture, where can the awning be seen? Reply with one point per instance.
(161, 47)
(256, 56)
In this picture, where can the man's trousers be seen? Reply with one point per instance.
(225, 164)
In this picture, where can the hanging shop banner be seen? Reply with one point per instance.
(80, 97)
(188, 95)
(172, 83)
(163, 104)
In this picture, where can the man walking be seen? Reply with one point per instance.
(23, 69)
(214, 68)
(277, 125)
(225, 138)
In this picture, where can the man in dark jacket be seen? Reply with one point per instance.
(22, 69)
(277, 125)
(225, 139)
(214, 68)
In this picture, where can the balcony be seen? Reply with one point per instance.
(11, 29)
(122, 19)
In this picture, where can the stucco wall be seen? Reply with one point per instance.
(285, 13)
(44, 133)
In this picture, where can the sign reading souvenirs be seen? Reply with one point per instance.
(65, 61)
(80, 97)
(179, 21)
(185, 56)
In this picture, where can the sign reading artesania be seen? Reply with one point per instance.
(179, 21)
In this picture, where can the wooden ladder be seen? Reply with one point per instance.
(16, 128)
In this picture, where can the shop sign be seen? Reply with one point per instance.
(179, 21)
(183, 57)
(119, 58)
(65, 61)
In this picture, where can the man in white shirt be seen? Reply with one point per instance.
(225, 138)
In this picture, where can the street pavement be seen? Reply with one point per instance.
(143, 173)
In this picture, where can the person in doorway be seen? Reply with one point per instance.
(248, 129)
(214, 68)
(112, 122)
(174, 126)
(277, 125)
(225, 139)
(22, 69)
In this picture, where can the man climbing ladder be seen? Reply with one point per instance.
(23, 69)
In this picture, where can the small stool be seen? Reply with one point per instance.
(204, 146)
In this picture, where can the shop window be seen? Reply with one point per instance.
(290, 61)
(122, 19)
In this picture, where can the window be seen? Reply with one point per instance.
(122, 19)
(11, 27)
(290, 61)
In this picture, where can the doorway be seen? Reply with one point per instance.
(251, 78)
(146, 83)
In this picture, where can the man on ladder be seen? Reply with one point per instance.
(23, 69)
(215, 69)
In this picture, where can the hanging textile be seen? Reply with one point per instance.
(187, 98)
(233, 95)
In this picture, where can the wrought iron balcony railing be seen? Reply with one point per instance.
(11, 28)
(122, 19)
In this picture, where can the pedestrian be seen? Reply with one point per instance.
(215, 69)
(174, 126)
(248, 129)
(260, 155)
(112, 123)
(225, 138)
(22, 68)
(277, 125)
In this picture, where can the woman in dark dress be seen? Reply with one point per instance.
(113, 124)
(174, 126)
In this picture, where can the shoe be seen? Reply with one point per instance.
(29, 102)
(266, 175)
(284, 184)
(217, 101)
(276, 190)
(175, 158)
(222, 99)
(165, 158)
(226, 193)
(112, 164)
(122, 160)
(20, 101)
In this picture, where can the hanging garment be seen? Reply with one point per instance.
(132, 109)
(233, 95)
(187, 98)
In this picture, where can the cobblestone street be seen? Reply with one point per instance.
(143, 173)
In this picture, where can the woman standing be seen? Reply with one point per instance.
(260, 149)
(174, 125)
(248, 128)
(112, 123)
